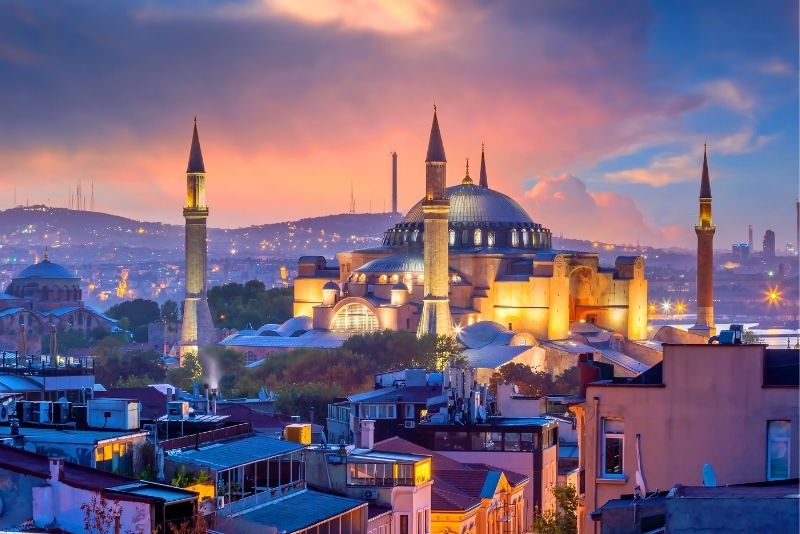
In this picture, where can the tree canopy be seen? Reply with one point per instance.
(236, 306)
(113, 366)
(136, 314)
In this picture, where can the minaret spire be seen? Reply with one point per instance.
(705, 182)
(484, 181)
(435, 316)
(195, 154)
(197, 328)
(704, 324)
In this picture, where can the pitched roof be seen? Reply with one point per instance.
(195, 154)
(705, 182)
(435, 145)
(38, 465)
(297, 511)
(236, 452)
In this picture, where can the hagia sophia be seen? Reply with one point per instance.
(496, 261)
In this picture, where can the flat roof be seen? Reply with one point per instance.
(300, 510)
(229, 454)
(157, 491)
(372, 455)
(52, 435)
(393, 395)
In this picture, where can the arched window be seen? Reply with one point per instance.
(477, 238)
(452, 239)
(524, 238)
(514, 237)
(383, 279)
(490, 238)
(416, 235)
(395, 278)
(354, 317)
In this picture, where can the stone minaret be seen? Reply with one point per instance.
(435, 317)
(197, 328)
(704, 325)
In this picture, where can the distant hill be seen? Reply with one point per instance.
(38, 226)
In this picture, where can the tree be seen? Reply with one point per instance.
(563, 519)
(169, 311)
(299, 399)
(751, 338)
(235, 305)
(189, 371)
(67, 340)
(138, 313)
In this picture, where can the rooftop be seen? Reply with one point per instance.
(299, 510)
(229, 454)
(85, 437)
(392, 395)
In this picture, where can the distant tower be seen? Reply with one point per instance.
(197, 328)
(704, 325)
(394, 182)
(750, 237)
(768, 244)
(435, 318)
(797, 236)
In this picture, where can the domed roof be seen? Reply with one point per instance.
(396, 263)
(330, 284)
(474, 204)
(46, 269)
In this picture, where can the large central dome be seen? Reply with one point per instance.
(470, 204)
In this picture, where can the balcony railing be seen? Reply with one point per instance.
(262, 497)
(210, 436)
(14, 364)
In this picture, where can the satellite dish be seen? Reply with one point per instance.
(709, 476)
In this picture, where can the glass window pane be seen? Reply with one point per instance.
(613, 456)
(613, 426)
(512, 440)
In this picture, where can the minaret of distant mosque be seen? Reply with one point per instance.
(435, 318)
(704, 325)
(197, 328)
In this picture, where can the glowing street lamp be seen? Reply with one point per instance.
(773, 295)
(666, 306)
(680, 307)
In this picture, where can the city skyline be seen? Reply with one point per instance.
(285, 98)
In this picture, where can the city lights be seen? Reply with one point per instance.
(773, 295)
(666, 306)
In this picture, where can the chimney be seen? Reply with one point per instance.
(56, 468)
(587, 371)
(394, 182)
(367, 433)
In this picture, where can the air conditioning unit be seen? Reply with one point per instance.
(410, 424)
(5, 412)
(370, 494)
(42, 412)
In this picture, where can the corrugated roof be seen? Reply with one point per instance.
(155, 491)
(297, 511)
(418, 394)
(234, 453)
(89, 437)
(18, 384)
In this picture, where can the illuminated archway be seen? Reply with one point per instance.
(355, 317)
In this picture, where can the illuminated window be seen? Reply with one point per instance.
(355, 318)
(395, 278)
(524, 238)
(452, 237)
(415, 235)
(514, 238)
(490, 238)
(778, 436)
(477, 237)
(613, 442)
(383, 278)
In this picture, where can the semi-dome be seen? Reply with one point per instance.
(46, 269)
(399, 263)
(470, 204)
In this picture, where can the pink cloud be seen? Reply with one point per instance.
(565, 205)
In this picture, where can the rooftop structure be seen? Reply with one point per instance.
(736, 406)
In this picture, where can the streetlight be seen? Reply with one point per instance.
(666, 306)
(773, 295)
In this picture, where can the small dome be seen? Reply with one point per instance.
(46, 269)
(400, 286)
(331, 285)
